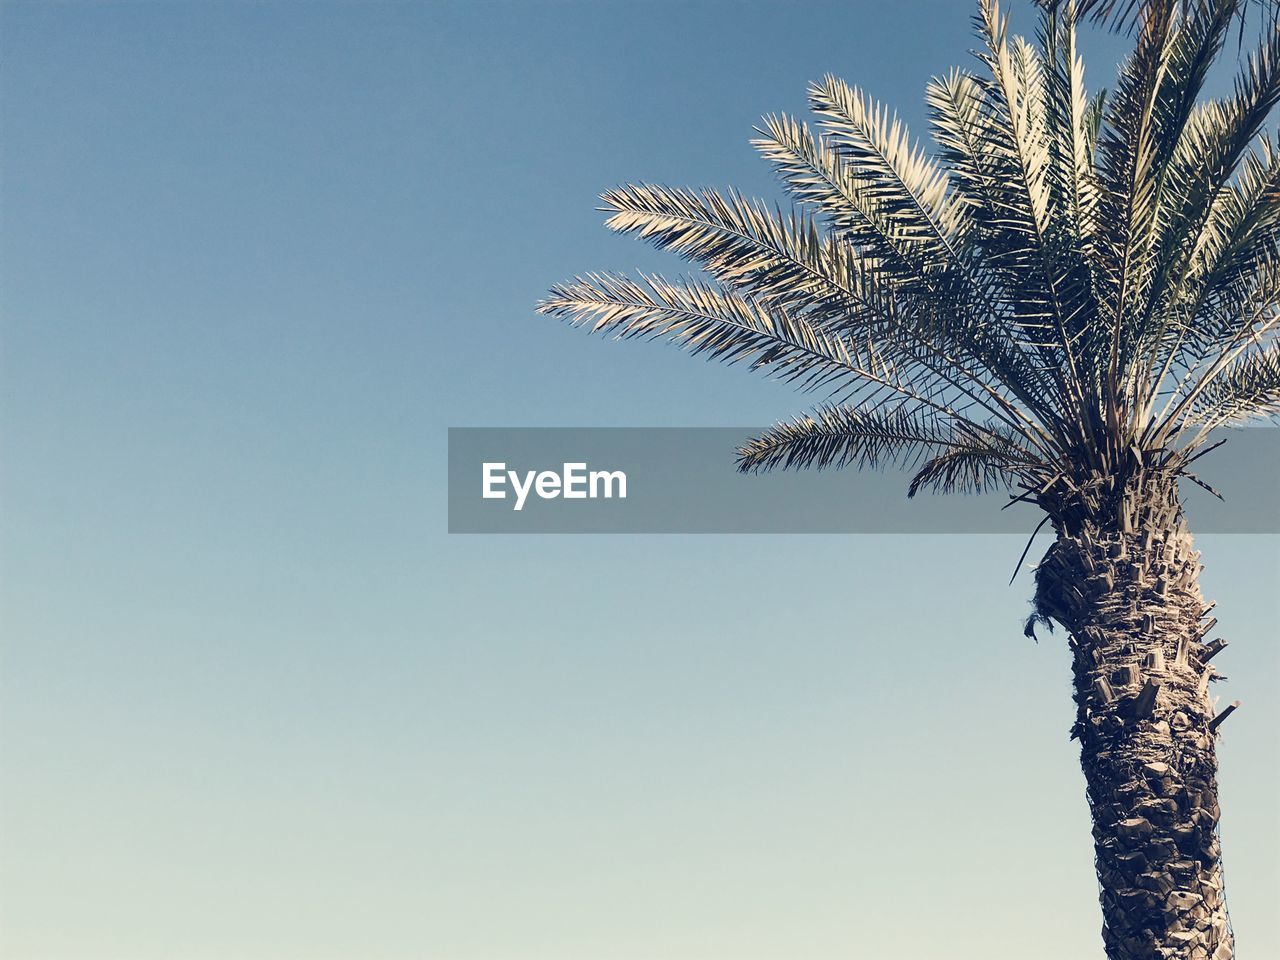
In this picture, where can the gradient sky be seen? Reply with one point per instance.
(256, 704)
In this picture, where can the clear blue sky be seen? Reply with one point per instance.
(258, 705)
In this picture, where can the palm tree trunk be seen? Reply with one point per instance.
(1128, 591)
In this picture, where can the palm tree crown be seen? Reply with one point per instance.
(1069, 293)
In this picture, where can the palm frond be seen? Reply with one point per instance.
(1246, 389)
(1205, 218)
(840, 436)
(1239, 237)
(907, 185)
(893, 435)
(966, 470)
(1072, 132)
(784, 260)
(1000, 131)
(816, 174)
(1128, 149)
(706, 320)
(1123, 15)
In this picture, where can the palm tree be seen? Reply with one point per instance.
(1065, 301)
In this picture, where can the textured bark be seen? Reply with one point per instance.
(1123, 578)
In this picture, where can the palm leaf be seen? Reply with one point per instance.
(900, 434)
